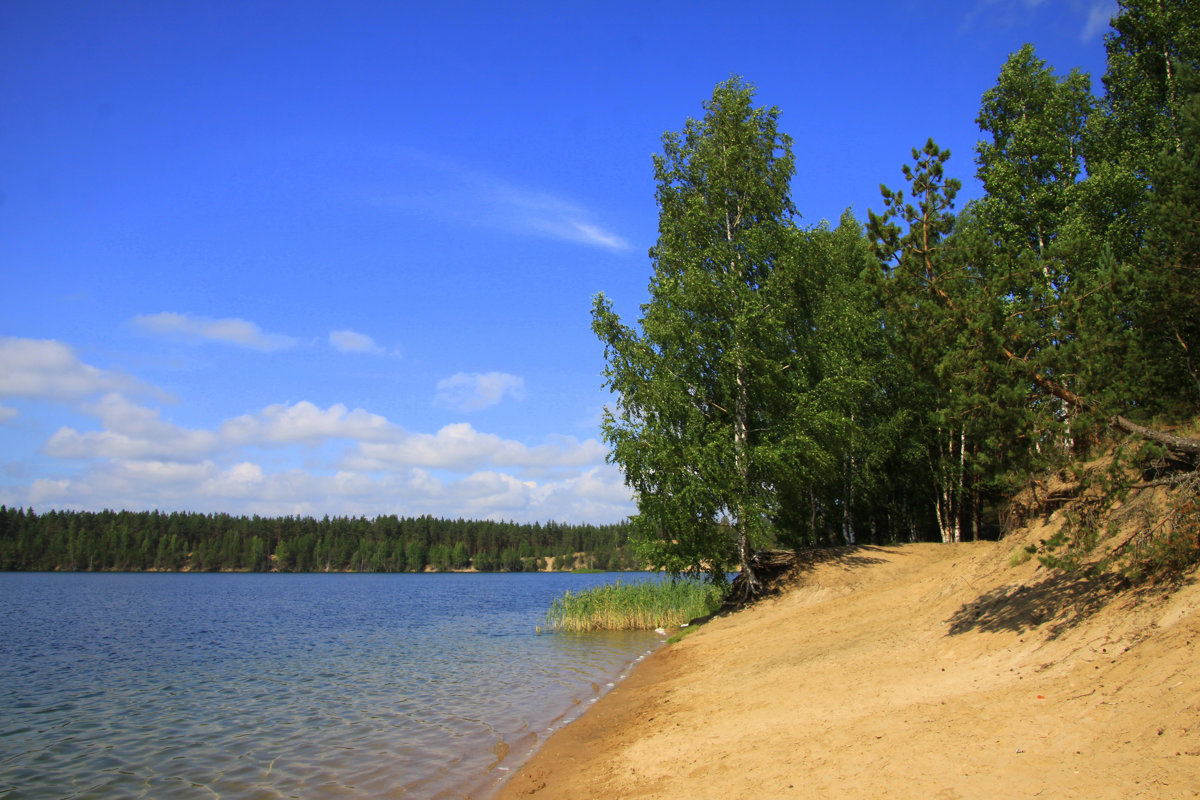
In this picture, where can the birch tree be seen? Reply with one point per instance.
(702, 426)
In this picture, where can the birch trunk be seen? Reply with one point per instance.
(741, 455)
(848, 502)
(848, 480)
(962, 447)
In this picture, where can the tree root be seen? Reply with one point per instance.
(761, 575)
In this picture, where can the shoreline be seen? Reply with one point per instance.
(514, 753)
(594, 724)
(910, 672)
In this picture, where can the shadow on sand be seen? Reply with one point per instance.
(858, 555)
(1060, 600)
(777, 568)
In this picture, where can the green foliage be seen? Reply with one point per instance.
(109, 540)
(1152, 47)
(510, 560)
(1143, 151)
(415, 556)
(849, 420)
(1158, 543)
(1171, 265)
(485, 561)
(1030, 167)
(1170, 549)
(749, 377)
(644, 605)
(1069, 549)
(1067, 298)
(678, 635)
(930, 291)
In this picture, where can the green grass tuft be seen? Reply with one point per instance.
(1018, 556)
(643, 605)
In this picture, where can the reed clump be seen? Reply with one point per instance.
(641, 605)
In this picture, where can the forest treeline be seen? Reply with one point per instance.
(152, 540)
(901, 379)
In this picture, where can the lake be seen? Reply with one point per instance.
(279, 686)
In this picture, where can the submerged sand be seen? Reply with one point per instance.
(918, 671)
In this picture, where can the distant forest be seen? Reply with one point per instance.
(87, 541)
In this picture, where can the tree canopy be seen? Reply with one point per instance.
(699, 426)
(788, 385)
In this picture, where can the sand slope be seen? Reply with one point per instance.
(918, 671)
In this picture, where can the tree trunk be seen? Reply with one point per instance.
(944, 494)
(958, 491)
(741, 454)
(848, 502)
(812, 516)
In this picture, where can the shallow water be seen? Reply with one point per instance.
(270, 686)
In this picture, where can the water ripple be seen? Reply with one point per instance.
(286, 686)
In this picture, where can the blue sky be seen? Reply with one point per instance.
(338, 258)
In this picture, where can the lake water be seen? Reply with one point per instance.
(298, 686)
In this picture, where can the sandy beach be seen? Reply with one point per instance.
(915, 671)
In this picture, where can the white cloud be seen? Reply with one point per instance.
(492, 493)
(130, 431)
(50, 370)
(461, 448)
(70, 443)
(559, 452)
(998, 14)
(246, 488)
(457, 447)
(125, 484)
(305, 422)
(54, 493)
(348, 341)
(229, 330)
(136, 459)
(599, 493)
(473, 391)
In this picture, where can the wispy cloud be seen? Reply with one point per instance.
(347, 341)
(475, 197)
(229, 330)
(1095, 14)
(522, 210)
(473, 391)
(1099, 15)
